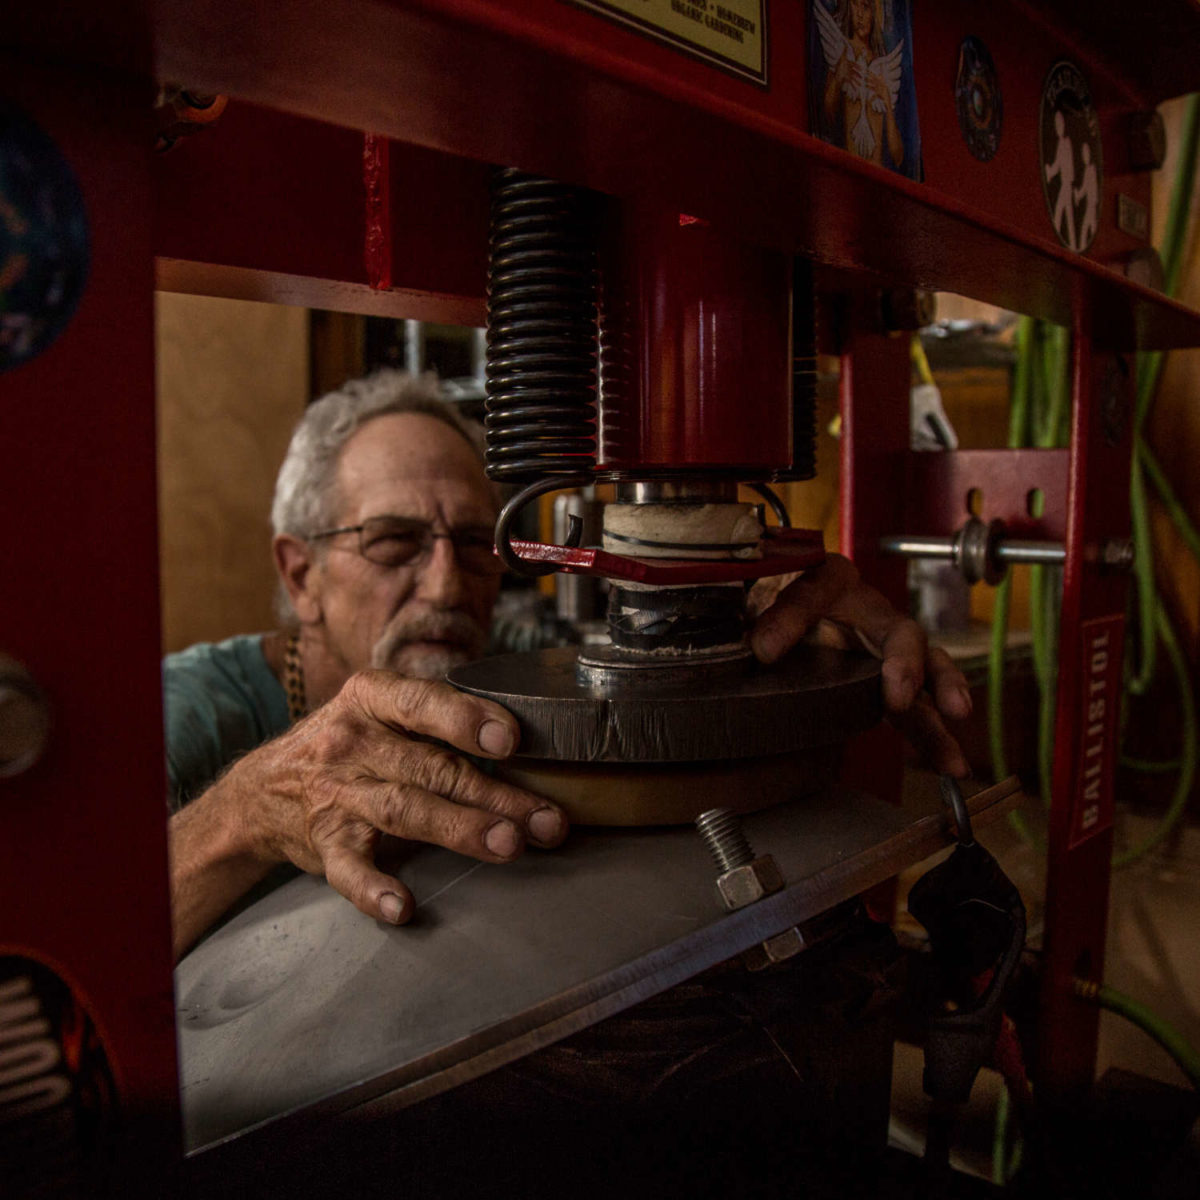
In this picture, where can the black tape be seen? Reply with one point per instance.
(676, 618)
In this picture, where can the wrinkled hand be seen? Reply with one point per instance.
(831, 606)
(323, 794)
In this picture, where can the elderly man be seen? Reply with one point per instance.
(311, 745)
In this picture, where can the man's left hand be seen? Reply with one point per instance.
(831, 606)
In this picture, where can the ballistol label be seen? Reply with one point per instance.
(731, 34)
(1093, 800)
(1071, 166)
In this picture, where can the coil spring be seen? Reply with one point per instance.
(541, 337)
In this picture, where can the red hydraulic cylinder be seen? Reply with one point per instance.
(696, 350)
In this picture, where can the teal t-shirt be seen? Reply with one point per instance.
(221, 700)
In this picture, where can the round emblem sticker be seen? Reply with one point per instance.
(1071, 165)
(977, 96)
(43, 240)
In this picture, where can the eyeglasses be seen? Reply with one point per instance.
(405, 541)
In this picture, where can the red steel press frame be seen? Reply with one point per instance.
(270, 204)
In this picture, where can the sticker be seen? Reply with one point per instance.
(977, 96)
(1072, 165)
(57, 1099)
(1132, 217)
(731, 34)
(43, 240)
(861, 95)
(1092, 804)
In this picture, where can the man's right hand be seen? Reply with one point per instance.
(323, 794)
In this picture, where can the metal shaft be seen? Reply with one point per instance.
(1008, 550)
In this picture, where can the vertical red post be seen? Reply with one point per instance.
(83, 847)
(1086, 726)
(875, 439)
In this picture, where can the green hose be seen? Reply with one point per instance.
(1153, 623)
(1165, 1034)
(1170, 499)
(1151, 766)
(1174, 235)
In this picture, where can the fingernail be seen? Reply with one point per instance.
(502, 839)
(391, 907)
(496, 738)
(545, 825)
(767, 645)
(964, 696)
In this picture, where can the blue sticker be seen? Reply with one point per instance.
(43, 240)
(861, 94)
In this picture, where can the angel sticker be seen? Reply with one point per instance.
(861, 94)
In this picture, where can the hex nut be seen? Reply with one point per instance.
(775, 949)
(746, 884)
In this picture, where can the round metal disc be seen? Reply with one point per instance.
(814, 697)
(673, 793)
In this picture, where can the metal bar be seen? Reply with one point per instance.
(1017, 551)
(915, 546)
(1008, 550)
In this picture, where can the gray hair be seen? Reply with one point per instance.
(305, 500)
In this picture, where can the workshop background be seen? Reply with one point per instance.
(234, 376)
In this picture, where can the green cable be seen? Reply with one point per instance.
(1170, 498)
(1187, 772)
(1163, 1032)
(1179, 211)
(1152, 621)
(1018, 419)
(1018, 413)
(1174, 235)
(1053, 363)
(1151, 766)
(1056, 349)
(1000, 1140)
(995, 680)
(1149, 368)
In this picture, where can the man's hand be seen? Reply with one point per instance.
(830, 605)
(323, 794)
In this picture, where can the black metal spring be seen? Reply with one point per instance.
(541, 336)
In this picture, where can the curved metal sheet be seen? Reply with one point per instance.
(301, 1003)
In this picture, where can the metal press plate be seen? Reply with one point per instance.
(301, 1005)
(814, 697)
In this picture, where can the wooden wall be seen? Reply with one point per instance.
(233, 378)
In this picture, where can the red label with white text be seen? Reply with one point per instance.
(1092, 802)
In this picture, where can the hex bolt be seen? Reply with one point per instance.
(1117, 554)
(722, 834)
(1146, 135)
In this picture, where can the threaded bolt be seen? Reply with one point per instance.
(722, 834)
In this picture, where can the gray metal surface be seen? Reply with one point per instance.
(302, 1004)
(815, 697)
